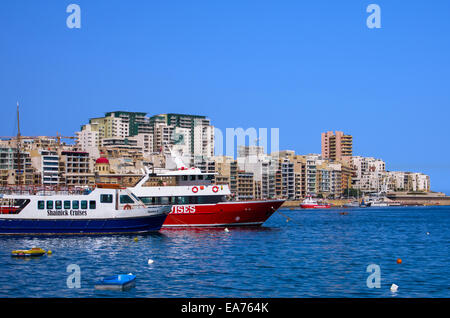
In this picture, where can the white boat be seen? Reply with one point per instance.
(197, 201)
(311, 203)
(377, 202)
(107, 209)
(352, 204)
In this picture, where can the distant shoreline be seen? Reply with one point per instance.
(425, 199)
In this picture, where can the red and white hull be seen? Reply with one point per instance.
(231, 213)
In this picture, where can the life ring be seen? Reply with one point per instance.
(215, 189)
(127, 207)
(194, 189)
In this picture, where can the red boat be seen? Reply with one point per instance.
(310, 203)
(197, 201)
(222, 214)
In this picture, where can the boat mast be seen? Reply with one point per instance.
(19, 166)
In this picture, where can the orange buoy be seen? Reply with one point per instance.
(399, 260)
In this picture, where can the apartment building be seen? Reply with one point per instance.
(76, 169)
(245, 186)
(262, 166)
(285, 179)
(118, 124)
(47, 164)
(369, 173)
(407, 181)
(88, 139)
(200, 133)
(337, 145)
(16, 168)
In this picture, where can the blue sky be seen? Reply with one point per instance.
(301, 66)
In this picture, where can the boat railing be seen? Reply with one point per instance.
(42, 190)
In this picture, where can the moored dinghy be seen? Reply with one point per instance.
(116, 282)
(34, 252)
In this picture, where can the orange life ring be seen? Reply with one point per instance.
(215, 189)
(194, 189)
(127, 207)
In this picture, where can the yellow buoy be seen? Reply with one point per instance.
(49, 252)
(135, 239)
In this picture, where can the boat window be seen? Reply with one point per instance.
(49, 205)
(164, 200)
(75, 205)
(200, 177)
(66, 204)
(135, 197)
(125, 199)
(147, 200)
(83, 205)
(182, 200)
(41, 205)
(185, 178)
(92, 205)
(209, 177)
(106, 198)
(210, 199)
(58, 205)
(192, 178)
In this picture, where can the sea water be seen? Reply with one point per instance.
(296, 253)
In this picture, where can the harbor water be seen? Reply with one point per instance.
(296, 253)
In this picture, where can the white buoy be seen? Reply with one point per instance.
(428, 233)
(227, 230)
(150, 261)
(394, 288)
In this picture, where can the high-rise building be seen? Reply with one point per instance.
(200, 140)
(131, 123)
(336, 146)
